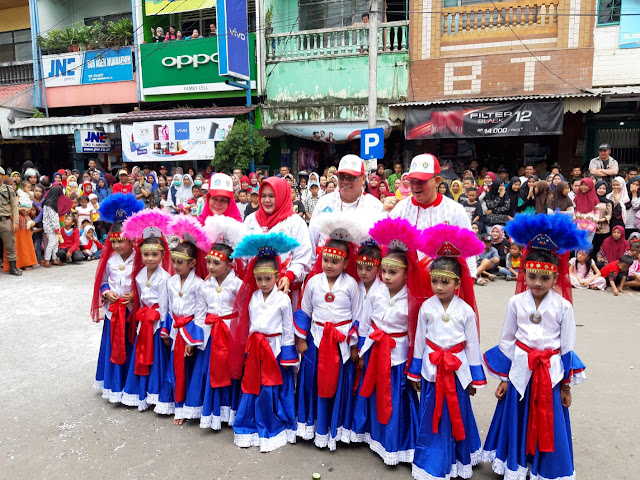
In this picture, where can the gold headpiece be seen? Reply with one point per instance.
(368, 260)
(444, 274)
(264, 270)
(181, 256)
(334, 252)
(390, 262)
(117, 237)
(151, 247)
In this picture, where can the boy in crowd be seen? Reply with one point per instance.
(616, 273)
(487, 262)
(242, 201)
(312, 199)
(513, 262)
(473, 207)
(467, 183)
(298, 206)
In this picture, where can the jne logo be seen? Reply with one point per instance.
(62, 67)
(96, 137)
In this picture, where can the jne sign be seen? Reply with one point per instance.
(92, 141)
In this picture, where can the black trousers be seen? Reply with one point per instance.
(76, 256)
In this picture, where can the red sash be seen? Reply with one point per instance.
(179, 347)
(147, 316)
(261, 367)
(219, 374)
(329, 358)
(540, 422)
(378, 374)
(118, 328)
(447, 363)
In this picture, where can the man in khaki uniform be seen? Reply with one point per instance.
(8, 227)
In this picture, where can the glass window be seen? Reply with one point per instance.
(315, 14)
(608, 12)
(15, 46)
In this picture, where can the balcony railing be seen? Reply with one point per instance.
(492, 18)
(16, 72)
(332, 42)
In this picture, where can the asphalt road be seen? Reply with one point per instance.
(54, 425)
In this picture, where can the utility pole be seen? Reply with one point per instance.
(373, 64)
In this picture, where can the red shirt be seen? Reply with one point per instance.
(119, 188)
(71, 241)
(610, 269)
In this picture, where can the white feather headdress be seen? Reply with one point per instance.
(347, 226)
(222, 229)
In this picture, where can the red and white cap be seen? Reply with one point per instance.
(351, 165)
(424, 167)
(220, 185)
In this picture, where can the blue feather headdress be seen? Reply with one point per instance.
(555, 232)
(119, 206)
(270, 244)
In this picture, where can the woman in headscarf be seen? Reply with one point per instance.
(487, 182)
(586, 211)
(543, 196)
(620, 198)
(253, 179)
(605, 209)
(55, 205)
(73, 187)
(276, 214)
(632, 206)
(456, 189)
(513, 192)
(557, 178)
(152, 180)
(528, 196)
(235, 181)
(443, 189)
(560, 199)
(26, 255)
(244, 183)
(175, 194)
(57, 177)
(498, 205)
(500, 242)
(102, 189)
(404, 191)
(447, 172)
(613, 247)
(374, 185)
(220, 199)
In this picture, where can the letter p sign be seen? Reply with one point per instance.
(371, 143)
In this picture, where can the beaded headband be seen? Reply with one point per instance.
(390, 262)
(117, 237)
(264, 270)
(368, 260)
(334, 252)
(443, 274)
(534, 266)
(181, 256)
(214, 254)
(151, 247)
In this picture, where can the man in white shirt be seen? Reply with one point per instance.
(604, 166)
(426, 207)
(349, 196)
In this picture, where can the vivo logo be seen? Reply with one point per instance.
(185, 60)
(238, 35)
(62, 67)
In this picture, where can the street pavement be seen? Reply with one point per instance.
(53, 424)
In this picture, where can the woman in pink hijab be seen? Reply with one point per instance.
(219, 199)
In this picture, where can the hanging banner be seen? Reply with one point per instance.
(168, 140)
(472, 121)
(329, 132)
(630, 24)
(87, 68)
(164, 7)
(233, 41)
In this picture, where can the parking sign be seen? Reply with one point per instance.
(371, 143)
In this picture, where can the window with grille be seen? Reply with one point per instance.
(15, 46)
(202, 19)
(609, 12)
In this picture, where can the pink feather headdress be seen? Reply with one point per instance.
(147, 223)
(189, 230)
(450, 241)
(223, 229)
(397, 233)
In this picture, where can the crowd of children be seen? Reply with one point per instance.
(382, 346)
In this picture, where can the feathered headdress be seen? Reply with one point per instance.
(222, 229)
(119, 206)
(270, 244)
(397, 233)
(555, 232)
(189, 230)
(147, 223)
(450, 241)
(346, 226)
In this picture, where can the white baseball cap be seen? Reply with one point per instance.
(424, 167)
(351, 165)
(220, 185)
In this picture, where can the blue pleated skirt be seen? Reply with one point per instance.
(152, 389)
(440, 455)
(111, 378)
(323, 419)
(267, 420)
(505, 445)
(395, 441)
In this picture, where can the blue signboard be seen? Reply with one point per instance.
(102, 66)
(372, 143)
(630, 24)
(233, 38)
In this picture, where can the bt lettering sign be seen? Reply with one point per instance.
(189, 67)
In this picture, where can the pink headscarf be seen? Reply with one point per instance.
(231, 211)
(404, 191)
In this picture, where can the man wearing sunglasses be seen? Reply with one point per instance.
(426, 207)
(349, 196)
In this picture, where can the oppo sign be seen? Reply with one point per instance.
(185, 60)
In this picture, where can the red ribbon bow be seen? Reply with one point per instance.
(329, 358)
(447, 363)
(378, 374)
(179, 348)
(118, 327)
(261, 367)
(147, 316)
(219, 373)
(540, 423)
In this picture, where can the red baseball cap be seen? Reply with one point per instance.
(220, 185)
(424, 167)
(351, 165)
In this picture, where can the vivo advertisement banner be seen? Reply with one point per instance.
(233, 46)
(88, 68)
(92, 141)
(630, 24)
(504, 120)
(169, 140)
